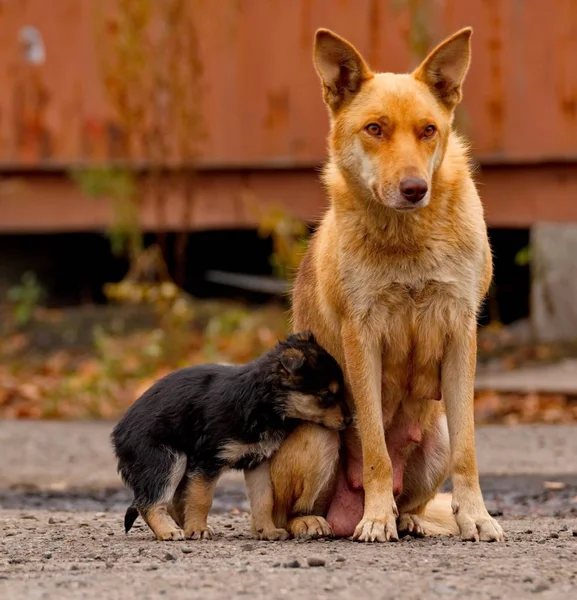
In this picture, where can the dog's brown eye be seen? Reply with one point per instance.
(429, 131)
(374, 129)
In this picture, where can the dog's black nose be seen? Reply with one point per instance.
(413, 188)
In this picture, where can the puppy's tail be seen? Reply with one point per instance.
(438, 518)
(129, 518)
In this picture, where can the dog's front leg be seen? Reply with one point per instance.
(363, 366)
(458, 380)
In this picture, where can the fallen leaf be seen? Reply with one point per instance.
(554, 485)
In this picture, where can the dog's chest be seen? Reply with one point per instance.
(243, 455)
(410, 291)
(416, 319)
(401, 303)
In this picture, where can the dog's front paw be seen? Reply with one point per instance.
(411, 524)
(479, 527)
(273, 535)
(204, 532)
(170, 535)
(309, 526)
(376, 530)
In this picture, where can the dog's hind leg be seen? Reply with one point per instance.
(425, 472)
(303, 473)
(198, 497)
(161, 523)
(154, 492)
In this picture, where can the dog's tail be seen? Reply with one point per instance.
(129, 518)
(438, 518)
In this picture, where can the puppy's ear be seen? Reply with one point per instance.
(446, 66)
(292, 360)
(306, 336)
(341, 68)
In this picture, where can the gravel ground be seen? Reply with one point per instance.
(86, 555)
(61, 531)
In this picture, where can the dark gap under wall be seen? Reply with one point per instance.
(511, 281)
(74, 267)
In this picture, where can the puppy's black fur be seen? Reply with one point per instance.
(185, 423)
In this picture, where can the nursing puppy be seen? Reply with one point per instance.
(175, 441)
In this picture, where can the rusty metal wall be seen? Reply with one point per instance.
(261, 97)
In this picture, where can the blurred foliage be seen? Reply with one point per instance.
(119, 187)
(523, 257)
(148, 282)
(102, 379)
(420, 18)
(24, 298)
(97, 182)
(289, 238)
(151, 72)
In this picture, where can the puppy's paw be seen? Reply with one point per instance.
(205, 532)
(309, 526)
(273, 535)
(170, 535)
(410, 524)
(376, 530)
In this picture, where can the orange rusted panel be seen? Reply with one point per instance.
(261, 100)
(513, 197)
(263, 119)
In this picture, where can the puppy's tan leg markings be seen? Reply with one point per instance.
(176, 509)
(458, 375)
(162, 524)
(198, 501)
(261, 498)
(363, 365)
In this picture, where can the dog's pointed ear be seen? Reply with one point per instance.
(446, 66)
(292, 360)
(341, 68)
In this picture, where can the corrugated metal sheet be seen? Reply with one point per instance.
(261, 99)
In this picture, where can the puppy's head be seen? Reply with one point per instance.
(312, 383)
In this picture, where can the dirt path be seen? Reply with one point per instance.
(61, 532)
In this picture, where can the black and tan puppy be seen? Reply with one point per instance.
(178, 437)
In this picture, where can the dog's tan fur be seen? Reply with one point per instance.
(392, 290)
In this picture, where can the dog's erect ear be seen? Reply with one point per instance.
(292, 360)
(341, 68)
(446, 66)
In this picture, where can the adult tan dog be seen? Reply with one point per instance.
(391, 285)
